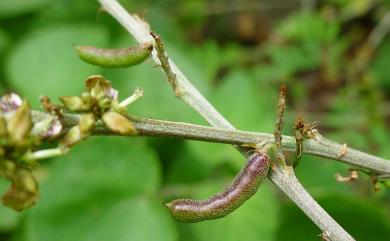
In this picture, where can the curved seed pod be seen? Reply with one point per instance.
(244, 186)
(115, 58)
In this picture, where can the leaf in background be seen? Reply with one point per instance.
(256, 219)
(18, 7)
(363, 219)
(245, 103)
(317, 175)
(380, 65)
(72, 11)
(188, 167)
(308, 28)
(45, 62)
(102, 190)
(381, 138)
(311, 42)
(288, 60)
(4, 41)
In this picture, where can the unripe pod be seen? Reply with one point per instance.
(244, 186)
(115, 58)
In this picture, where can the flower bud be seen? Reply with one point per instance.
(87, 122)
(48, 127)
(10, 102)
(20, 123)
(74, 103)
(72, 137)
(118, 123)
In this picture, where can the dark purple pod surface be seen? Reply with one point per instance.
(244, 186)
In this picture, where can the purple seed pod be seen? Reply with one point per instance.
(244, 186)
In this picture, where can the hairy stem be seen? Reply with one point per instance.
(319, 147)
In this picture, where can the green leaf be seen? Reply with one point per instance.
(201, 159)
(287, 60)
(308, 28)
(102, 190)
(361, 217)
(4, 41)
(248, 105)
(122, 220)
(324, 180)
(256, 219)
(380, 65)
(45, 62)
(18, 7)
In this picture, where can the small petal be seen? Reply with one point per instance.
(99, 87)
(10, 102)
(74, 103)
(72, 137)
(94, 81)
(112, 93)
(20, 124)
(54, 129)
(87, 122)
(48, 127)
(118, 123)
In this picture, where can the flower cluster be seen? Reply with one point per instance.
(19, 137)
(99, 106)
(21, 132)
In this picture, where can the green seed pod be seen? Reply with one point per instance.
(241, 189)
(115, 58)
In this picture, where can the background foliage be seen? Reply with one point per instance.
(237, 53)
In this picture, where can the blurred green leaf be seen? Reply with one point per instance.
(245, 103)
(288, 60)
(256, 219)
(4, 41)
(107, 183)
(110, 164)
(45, 62)
(187, 162)
(309, 28)
(317, 175)
(125, 219)
(17, 7)
(363, 219)
(71, 11)
(380, 65)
